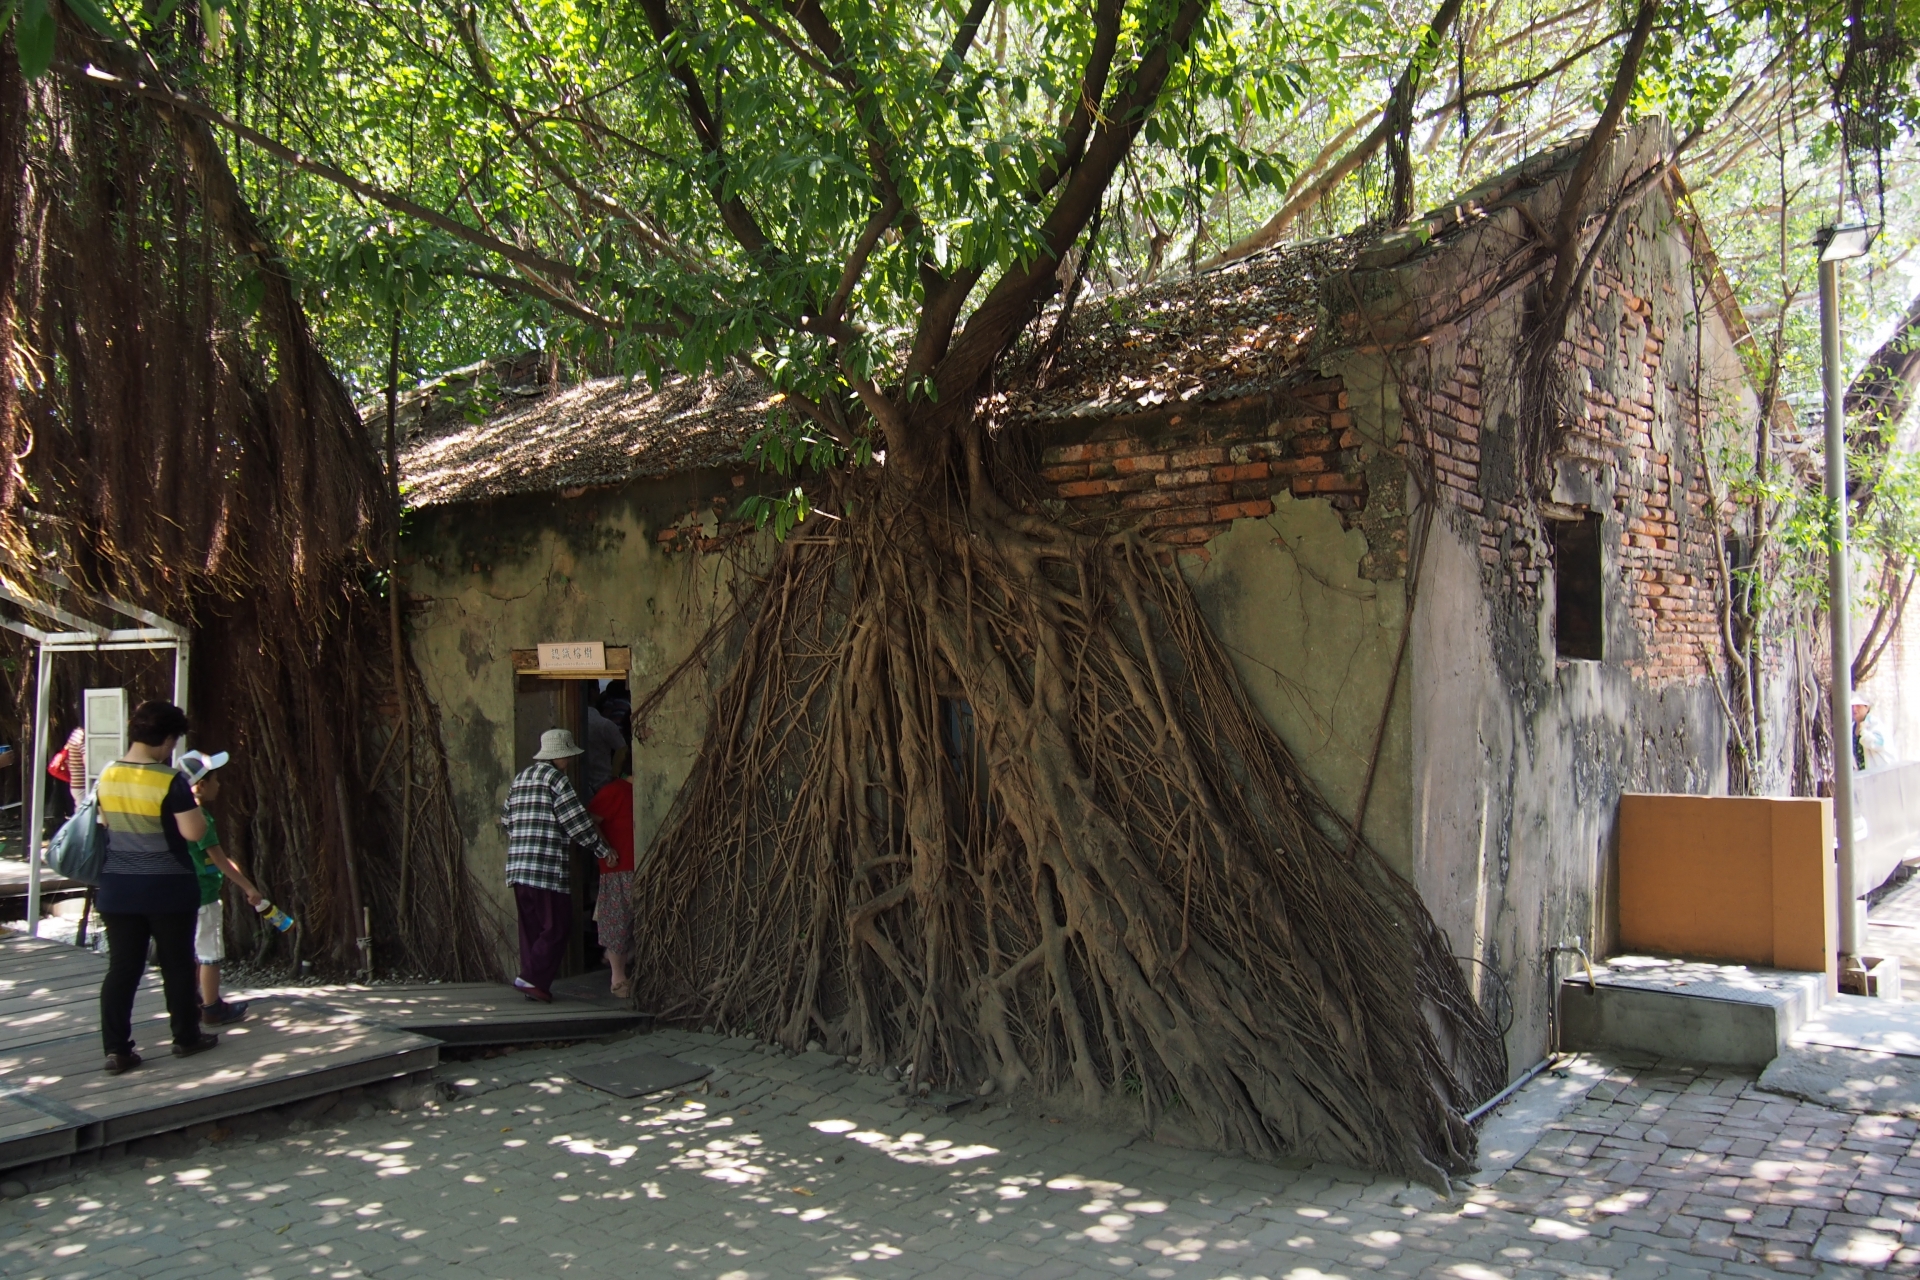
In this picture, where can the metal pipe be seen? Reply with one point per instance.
(1500, 1097)
(1839, 603)
(179, 692)
(36, 787)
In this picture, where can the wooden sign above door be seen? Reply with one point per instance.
(574, 660)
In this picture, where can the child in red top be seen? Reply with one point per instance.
(612, 808)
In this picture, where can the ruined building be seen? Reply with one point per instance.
(1476, 617)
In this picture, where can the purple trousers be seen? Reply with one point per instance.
(545, 919)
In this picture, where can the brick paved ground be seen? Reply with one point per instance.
(806, 1169)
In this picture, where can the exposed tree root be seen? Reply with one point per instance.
(985, 797)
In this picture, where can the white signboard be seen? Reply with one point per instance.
(104, 717)
(573, 655)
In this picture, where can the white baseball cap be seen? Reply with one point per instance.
(198, 764)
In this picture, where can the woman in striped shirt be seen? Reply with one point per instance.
(148, 886)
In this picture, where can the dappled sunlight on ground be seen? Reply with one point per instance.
(797, 1167)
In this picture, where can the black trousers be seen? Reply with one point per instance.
(127, 936)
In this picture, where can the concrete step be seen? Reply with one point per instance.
(1692, 1010)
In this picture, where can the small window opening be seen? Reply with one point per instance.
(1577, 587)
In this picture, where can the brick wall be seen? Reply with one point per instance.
(1183, 475)
(1659, 526)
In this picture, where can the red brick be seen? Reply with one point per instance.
(1204, 457)
(1336, 483)
(1177, 479)
(1084, 488)
(1068, 453)
(1065, 471)
(1245, 471)
(1257, 510)
(1317, 443)
(1179, 515)
(1154, 499)
(1141, 462)
(1190, 535)
(1299, 466)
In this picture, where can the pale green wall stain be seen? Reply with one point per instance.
(553, 583)
(1315, 643)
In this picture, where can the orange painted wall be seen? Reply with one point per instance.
(1735, 878)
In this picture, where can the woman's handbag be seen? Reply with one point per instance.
(79, 847)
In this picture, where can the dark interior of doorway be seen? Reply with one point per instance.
(541, 704)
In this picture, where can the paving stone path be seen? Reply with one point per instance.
(798, 1167)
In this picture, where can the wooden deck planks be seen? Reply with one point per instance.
(296, 1042)
(56, 1100)
(471, 1013)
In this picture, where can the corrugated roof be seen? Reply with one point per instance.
(598, 432)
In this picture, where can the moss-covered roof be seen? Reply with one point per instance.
(599, 432)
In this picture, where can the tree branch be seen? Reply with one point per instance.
(881, 144)
(1566, 227)
(482, 67)
(1399, 113)
(1011, 303)
(963, 38)
(1883, 391)
(538, 263)
(514, 284)
(1289, 213)
(1093, 86)
(734, 214)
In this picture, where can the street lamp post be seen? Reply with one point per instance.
(1836, 245)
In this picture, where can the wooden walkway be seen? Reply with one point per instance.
(55, 1100)
(295, 1043)
(479, 1013)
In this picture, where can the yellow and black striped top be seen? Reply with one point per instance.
(137, 804)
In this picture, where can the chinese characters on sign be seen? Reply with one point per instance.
(577, 655)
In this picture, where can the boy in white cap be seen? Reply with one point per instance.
(212, 865)
(544, 819)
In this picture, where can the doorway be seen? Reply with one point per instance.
(541, 703)
(552, 686)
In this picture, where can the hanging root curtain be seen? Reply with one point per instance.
(169, 443)
(984, 797)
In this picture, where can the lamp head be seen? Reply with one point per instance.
(1837, 244)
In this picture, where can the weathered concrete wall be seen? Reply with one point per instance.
(1314, 642)
(1518, 755)
(1288, 524)
(487, 578)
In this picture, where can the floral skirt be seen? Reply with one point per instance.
(614, 912)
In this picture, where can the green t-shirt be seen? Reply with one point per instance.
(209, 874)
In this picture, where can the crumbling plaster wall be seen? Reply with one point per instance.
(1314, 643)
(1517, 756)
(1288, 524)
(487, 578)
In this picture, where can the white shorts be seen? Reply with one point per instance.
(209, 939)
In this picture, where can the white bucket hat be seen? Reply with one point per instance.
(557, 744)
(198, 764)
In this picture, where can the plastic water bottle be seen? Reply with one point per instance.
(274, 916)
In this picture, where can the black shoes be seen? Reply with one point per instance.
(222, 1012)
(204, 1043)
(118, 1064)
